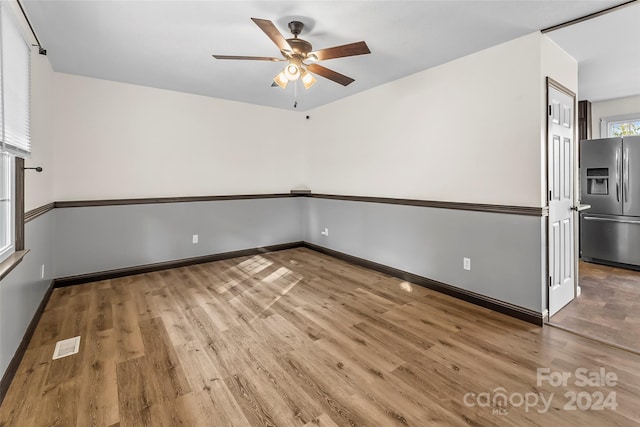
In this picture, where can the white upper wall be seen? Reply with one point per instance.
(115, 140)
(609, 108)
(39, 186)
(471, 130)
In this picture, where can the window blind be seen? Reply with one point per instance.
(15, 67)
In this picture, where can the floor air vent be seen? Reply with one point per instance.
(66, 348)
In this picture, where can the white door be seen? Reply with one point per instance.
(561, 198)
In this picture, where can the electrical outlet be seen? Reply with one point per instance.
(194, 240)
(466, 263)
(325, 232)
(42, 272)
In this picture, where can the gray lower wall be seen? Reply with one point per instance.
(506, 251)
(22, 290)
(93, 239)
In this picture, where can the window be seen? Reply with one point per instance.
(7, 193)
(15, 142)
(624, 125)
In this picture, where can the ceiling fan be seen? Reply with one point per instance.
(296, 50)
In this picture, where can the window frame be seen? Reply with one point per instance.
(621, 118)
(7, 178)
(18, 197)
(17, 143)
(14, 257)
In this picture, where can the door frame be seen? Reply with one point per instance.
(550, 82)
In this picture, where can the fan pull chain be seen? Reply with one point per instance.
(295, 94)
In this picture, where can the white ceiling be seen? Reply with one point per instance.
(607, 49)
(168, 44)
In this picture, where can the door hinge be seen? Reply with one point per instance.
(549, 281)
(549, 109)
(549, 195)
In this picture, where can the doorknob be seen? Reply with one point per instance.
(580, 208)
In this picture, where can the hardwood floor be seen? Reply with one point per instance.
(297, 338)
(608, 308)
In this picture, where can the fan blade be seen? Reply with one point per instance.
(351, 49)
(330, 74)
(272, 32)
(252, 58)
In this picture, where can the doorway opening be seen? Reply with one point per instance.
(595, 296)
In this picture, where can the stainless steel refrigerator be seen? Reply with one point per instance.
(610, 183)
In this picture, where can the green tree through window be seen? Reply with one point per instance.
(627, 128)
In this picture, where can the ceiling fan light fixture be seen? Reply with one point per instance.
(292, 71)
(296, 50)
(308, 79)
(281, 80)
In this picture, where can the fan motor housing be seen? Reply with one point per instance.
(299, 46)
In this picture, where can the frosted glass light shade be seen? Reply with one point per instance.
(281, 80)
(308, 79)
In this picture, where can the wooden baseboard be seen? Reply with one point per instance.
(12, 368)
(484, 301)
(148, 268)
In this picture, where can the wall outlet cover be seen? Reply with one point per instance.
(466, 263)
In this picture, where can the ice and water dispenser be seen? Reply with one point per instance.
(598, 181)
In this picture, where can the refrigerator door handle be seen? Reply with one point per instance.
(618, 175)
(625, 176)
(624, 221)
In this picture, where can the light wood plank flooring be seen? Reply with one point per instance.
(297, 338)
(608, 308)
